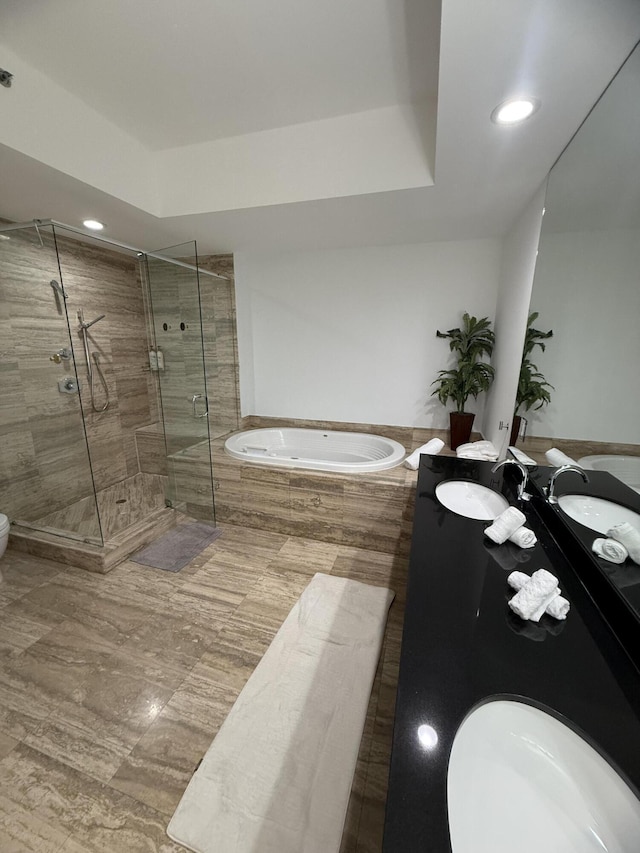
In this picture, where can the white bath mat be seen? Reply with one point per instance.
(278, 775)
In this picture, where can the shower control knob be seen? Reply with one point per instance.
(62, 355)
(68, 385)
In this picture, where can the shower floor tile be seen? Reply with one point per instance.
(120, 506)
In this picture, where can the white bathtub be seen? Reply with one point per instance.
(320, 450)
(625, 468)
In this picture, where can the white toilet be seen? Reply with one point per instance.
(4, 534)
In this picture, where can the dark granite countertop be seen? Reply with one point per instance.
(462, 644)
(616, 588)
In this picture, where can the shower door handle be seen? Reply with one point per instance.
(194, 402)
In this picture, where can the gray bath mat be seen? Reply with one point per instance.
(178, 547)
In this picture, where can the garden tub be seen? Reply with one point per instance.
(625, 468)
(316, 449)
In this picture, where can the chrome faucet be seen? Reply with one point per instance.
(552, 482)
(522, 495)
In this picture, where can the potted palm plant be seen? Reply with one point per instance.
(533, 389)
(469, 377)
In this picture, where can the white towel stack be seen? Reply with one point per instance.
(433, 447)
(610, 550)
(557, 458)
(558, 607)
(509, 525)
(629, 536)
(482, 450)
(522, 457)
(533, 599)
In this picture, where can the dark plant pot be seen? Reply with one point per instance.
(460, 424)
(515, 430)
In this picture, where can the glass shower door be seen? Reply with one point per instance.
(176, 316)
(46, 480)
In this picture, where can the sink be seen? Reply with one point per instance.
(471, 499)
(596, 513)
(519, 779)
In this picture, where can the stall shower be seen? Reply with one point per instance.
(110, 388)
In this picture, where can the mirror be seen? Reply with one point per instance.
(587, 283)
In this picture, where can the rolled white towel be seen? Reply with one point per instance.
(504, 525)
(630, 538)
(610, 550)
(433, 447)
(536, 595)
(523, 538)
(522, 457)
(558, 607)
(557, 458)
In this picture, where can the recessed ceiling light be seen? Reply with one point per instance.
(514, 110)
(93, 224)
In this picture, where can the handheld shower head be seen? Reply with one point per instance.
(58, 289)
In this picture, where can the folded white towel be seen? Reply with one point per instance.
(522, 457)
(610, 550)
(479, 455)
(558, 607)
(483, 450)
(504, 525)
(630, 538)
(523, 537)
(483, 446)
(557, 458)
(536, 595)
(433, 447)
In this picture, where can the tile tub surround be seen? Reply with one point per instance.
(535, 447)
(112, 687)
(43, 441)
(372, 510)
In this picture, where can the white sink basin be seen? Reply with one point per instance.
(471, 500)
(519, 779)
(596, 513)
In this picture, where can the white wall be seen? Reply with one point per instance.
(512, 310)
(587, 290)
(350, 334)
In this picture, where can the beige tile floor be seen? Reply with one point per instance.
(113, 686)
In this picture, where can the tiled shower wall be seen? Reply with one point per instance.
(221, 343)
(174, 300)
(43, 457)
